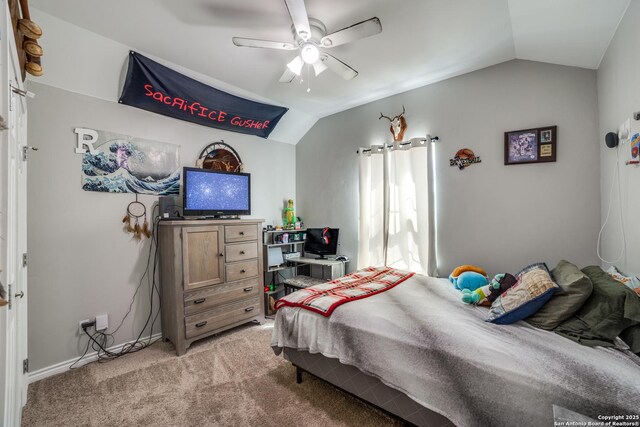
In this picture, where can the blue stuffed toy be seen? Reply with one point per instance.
(470, 280)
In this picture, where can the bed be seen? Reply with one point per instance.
(418, 352)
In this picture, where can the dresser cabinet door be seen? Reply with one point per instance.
(202, 256)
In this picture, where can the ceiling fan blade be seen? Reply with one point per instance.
(319, 67)
(287, 76)
(299, 17)
(243, 42)
(338, 66)
(357, 31)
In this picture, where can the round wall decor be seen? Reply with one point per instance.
(219, 156)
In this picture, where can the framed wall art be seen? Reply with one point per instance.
(536, 145)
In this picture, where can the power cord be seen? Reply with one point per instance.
(99, 341)
(615, 179)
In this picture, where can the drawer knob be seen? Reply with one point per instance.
(199, 300)
(201, 324)
(221, 254)
(248, 309)
(248, 289)
(241, 252)
(243, 271)
(242, 233)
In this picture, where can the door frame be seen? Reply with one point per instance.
(13, 379)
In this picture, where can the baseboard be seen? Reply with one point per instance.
(61, 367)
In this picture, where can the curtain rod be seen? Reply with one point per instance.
(401, 144)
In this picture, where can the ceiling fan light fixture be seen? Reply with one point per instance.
(296, 65)
(319, 67)
(309, 53)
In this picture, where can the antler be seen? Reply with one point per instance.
(401, 114)
(382, 115)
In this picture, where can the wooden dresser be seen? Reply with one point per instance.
(210, 277)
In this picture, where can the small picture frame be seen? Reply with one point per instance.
(545, 136)
(536, 145)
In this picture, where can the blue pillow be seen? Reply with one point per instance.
(534, 288)
(471, 280)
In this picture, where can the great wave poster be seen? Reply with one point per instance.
(117, 163)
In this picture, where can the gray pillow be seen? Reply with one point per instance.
(575, 289)
(631, 336)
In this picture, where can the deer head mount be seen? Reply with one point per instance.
(398, 125)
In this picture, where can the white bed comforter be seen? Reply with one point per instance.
(419, 338)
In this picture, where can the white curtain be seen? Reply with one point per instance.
(396, 207)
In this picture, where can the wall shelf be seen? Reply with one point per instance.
(297, 242)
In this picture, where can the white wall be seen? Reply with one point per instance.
(499, 217)
(81, 262)
(84, 62)
(618, 98)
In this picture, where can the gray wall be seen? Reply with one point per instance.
(618, 98)
(499, 217)
(81, 262)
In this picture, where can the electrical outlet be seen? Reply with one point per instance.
(82, 322)
(102, 322)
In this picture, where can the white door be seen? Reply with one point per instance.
(13, 188)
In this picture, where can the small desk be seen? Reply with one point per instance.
(329, 268)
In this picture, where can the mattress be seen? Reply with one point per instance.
(420, 339)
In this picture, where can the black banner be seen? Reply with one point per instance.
(154, 87)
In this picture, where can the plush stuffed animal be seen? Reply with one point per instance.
(455, 275)
(470, 280)
(486, 295)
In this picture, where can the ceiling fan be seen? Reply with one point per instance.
(309, 37)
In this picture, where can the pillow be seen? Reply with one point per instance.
(631, 336)
(542, 265)
(610, 309)
(575, 289)
(631, 282)
(533, 290)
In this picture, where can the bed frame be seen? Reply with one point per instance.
(365, 387)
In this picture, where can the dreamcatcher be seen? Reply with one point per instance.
(219, 156)
(131, 221)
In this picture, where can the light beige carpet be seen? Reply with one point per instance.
(233, 379)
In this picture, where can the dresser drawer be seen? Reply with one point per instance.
(241, 251)
(213, 296)
(240, 233)
(220, 317)
(241, 270)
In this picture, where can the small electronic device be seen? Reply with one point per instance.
(611, 139)
(170, 207)
(321, 241)
(291, 255)
(343, 258)
(274, 257)
(215, 193)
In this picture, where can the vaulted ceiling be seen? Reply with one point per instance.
(422, 41)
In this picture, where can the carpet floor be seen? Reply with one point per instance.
(232, 379)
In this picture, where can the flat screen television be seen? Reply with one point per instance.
(215, 193)
(321, 241)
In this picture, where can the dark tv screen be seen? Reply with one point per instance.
(321, 241)
(210, 193)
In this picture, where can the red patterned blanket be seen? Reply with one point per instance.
(326, 297)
